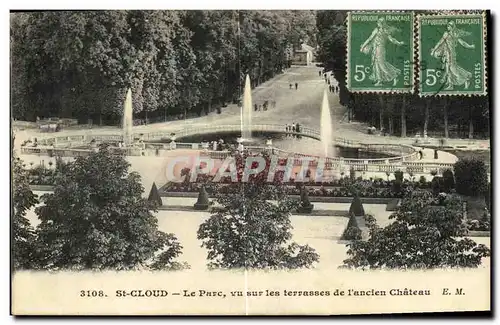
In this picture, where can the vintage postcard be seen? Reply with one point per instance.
(250, 162)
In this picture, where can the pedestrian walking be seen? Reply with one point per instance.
(260, 107)
(337, 89)
(296, 86)
(329, 81)
(319, 73)
(255, 107)
(297, 129)
(293, 128)
(291, 86)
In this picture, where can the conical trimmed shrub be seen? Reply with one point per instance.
(202, 203)
(305, 204)
(154, 196)
(352, 231)
(356, 208)
(352, 222)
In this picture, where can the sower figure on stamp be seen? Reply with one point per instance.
(445, 49)
(375, 45)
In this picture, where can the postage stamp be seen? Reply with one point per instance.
(380, 52)
(452, 55)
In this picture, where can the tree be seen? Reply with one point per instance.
(426, 232)
(437, 185)
(248, 231)
(448, 180)
(471, 177)
(428, 102)
(332, 41)
(97, 219)
(403, 116)
(80, 63)
(397, 185)
(23, 235)
(487, 197)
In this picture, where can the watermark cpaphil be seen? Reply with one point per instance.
(252, 168)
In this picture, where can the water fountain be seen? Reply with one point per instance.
(326, 127)
(246, 112)
(127, 119)
(248, 136)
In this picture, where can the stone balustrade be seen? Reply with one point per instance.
(54, 145)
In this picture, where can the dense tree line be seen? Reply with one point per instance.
(398, 114)
(80, 63)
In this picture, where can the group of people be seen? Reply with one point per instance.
(332, 88)
(213, 145)
(291, 129)
(296, 86)
(264, 106)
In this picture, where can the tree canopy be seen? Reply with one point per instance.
(426, 232)
(96, 218)
(246, 230)
(23, 234)
(80, 63)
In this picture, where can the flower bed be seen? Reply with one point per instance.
(478, 225)
(364, 189)
(41, 176)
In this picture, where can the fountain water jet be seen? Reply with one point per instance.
(246, 111)
(127, 119)
(326, 128)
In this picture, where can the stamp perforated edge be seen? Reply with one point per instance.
(412, 89)
(482, 13)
